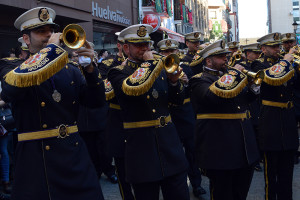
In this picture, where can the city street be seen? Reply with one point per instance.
(111, 191)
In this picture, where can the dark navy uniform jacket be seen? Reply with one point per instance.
(54, 168)
(114, 134)
(151, 153)
(222, 144)
(277, 126)
(183, 116)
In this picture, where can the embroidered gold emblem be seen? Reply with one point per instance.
(226, 80)
(288, 35)
(196, 35)
(276, 36)
(139, 75)
(168, 43)
(44, 14)
(45, 50)
(234, 43)
(142, 31)
(276, 69)
(34, 62)
(145, 65)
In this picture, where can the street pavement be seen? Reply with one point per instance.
(111, 191)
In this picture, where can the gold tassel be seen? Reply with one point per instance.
(279, 81)
(110, 95)
(229, 93)
(38, 77)
(144, 87)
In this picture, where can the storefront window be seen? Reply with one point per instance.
(106, 41)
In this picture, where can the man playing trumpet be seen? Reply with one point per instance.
(45, 91)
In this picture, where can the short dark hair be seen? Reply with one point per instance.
(102, 51)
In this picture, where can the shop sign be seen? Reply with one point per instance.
(152, 20)
(111, 15)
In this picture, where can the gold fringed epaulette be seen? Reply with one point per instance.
(38, 68)
(230, 84)
(197, 61)
(279, 73)
(142, 79)
(109, 90)
(181, 56)
(108, 62)
(73, 63)
(198, 75)
(11, 59)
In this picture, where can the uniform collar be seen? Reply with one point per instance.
(132, 64)
(212, 71)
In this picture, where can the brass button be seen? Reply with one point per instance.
(45, 126)
(148, 97)
(125, 141)
(43, 104)
(98, 83)
(72, 83)
(281, 95)
(74, 102)
(47, 147)
(76, 143)
(162, 78)
(239, 107)
(75, 122)
(67, 67)
(154, 110)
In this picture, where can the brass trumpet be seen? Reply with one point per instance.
(73, 36)
(171, 63)
(258, 77)
(238, 56)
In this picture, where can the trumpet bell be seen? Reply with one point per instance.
(73, 36)
(171, 63)
(258, 77)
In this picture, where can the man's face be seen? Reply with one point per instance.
(135, 51)
(217, 62)
(288, 45)
(38, 38)
(169, 51)
(252, 55)
(105, 54)
(193, 46)
(271, 51)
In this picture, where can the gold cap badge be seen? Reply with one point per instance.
(44, 14)
(142, 31)
(276, 36)
(196, 35)
(223, 44)
(288, 35)
(168, 43)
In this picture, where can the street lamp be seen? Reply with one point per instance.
(295, 25)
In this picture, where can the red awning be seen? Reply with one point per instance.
(172, 34)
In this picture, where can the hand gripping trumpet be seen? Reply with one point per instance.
(257, 77)
(171, 63)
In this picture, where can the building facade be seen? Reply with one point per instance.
(100, 19)
(281, 15)
(218, 26)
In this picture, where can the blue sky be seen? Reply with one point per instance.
(252, 18)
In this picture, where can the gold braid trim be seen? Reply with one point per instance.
(37, 77)
(145, 86)
(279, 81)
(110, 95)
(196, 62)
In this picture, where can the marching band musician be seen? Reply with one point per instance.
(277, 128)
(225, 141)
(154, 157)
(115, 133)
(288, 41)
(183, 118)
(45, 91)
